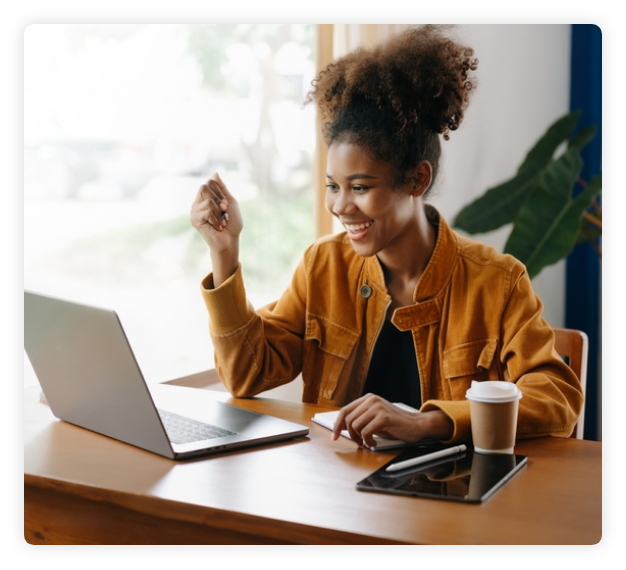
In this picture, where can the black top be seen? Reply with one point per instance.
(393, 372)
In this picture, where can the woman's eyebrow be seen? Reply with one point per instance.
(357, 176)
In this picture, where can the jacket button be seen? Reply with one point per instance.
(365, 291)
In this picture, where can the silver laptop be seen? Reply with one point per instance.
(90, 378)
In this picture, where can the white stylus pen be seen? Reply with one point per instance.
(426, 458)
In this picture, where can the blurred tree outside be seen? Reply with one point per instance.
(269, 65)
(278, 50)
(122, 124)
(281, 217)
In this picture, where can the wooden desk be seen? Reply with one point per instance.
(80, 487)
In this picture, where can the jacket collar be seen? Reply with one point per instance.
(439, 266)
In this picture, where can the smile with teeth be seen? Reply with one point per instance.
(358, 227)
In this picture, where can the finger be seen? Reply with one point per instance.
(367, 431)
(360, 426)
(369, 418)
(218, 205)
(206, 196)
(207, 211)
(350, 414)
(339, 425)
(355, 422)
(216, 178)
(215, 220)
(200, 210)
(216, 191)
(213, 193)
(340, 422)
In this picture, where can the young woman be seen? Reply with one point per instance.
(398, 308)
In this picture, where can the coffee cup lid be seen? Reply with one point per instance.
(493, 391)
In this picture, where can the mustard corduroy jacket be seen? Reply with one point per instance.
(475, 317)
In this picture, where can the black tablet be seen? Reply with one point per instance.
(467, 476)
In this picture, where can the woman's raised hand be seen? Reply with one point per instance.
(215, 214)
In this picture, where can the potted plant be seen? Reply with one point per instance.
(547, 219)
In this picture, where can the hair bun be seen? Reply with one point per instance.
(420, 76)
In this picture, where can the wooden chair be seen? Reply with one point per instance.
(573, 346)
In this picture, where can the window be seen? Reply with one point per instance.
(122, 123)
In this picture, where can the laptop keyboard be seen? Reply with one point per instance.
(185, 430)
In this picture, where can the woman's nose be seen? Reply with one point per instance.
(340, 203)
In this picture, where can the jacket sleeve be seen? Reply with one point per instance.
(255, 350)
(551, 393)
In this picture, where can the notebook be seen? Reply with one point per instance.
(90, 378)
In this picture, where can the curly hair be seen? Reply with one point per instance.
(395, 99)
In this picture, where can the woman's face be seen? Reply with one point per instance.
(361, 194)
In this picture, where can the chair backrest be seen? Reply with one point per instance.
(574, 345)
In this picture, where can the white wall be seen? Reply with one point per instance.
(523, 86)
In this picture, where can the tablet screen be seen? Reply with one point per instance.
(467, 476)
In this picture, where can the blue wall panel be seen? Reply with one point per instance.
(582, 300)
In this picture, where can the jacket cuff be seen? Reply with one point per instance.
(458, 411)
(227, 305)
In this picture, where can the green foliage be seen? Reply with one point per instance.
(547, 220)
(208, 42)
(276, 232)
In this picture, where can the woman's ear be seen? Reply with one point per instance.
(421, 178)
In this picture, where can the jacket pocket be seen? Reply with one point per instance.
(330, 346)
(467, 362)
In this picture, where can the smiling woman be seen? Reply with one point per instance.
(398, 286)
(381, 217)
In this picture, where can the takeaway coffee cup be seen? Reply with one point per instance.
(493, 411)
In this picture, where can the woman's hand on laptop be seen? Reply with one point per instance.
(216, 215)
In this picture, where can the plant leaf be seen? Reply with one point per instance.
(500, 205)
(497, 206)
(548, 223)
(582, 138)
(543, 151)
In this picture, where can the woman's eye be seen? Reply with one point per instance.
(331, 187)
(359, 189)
